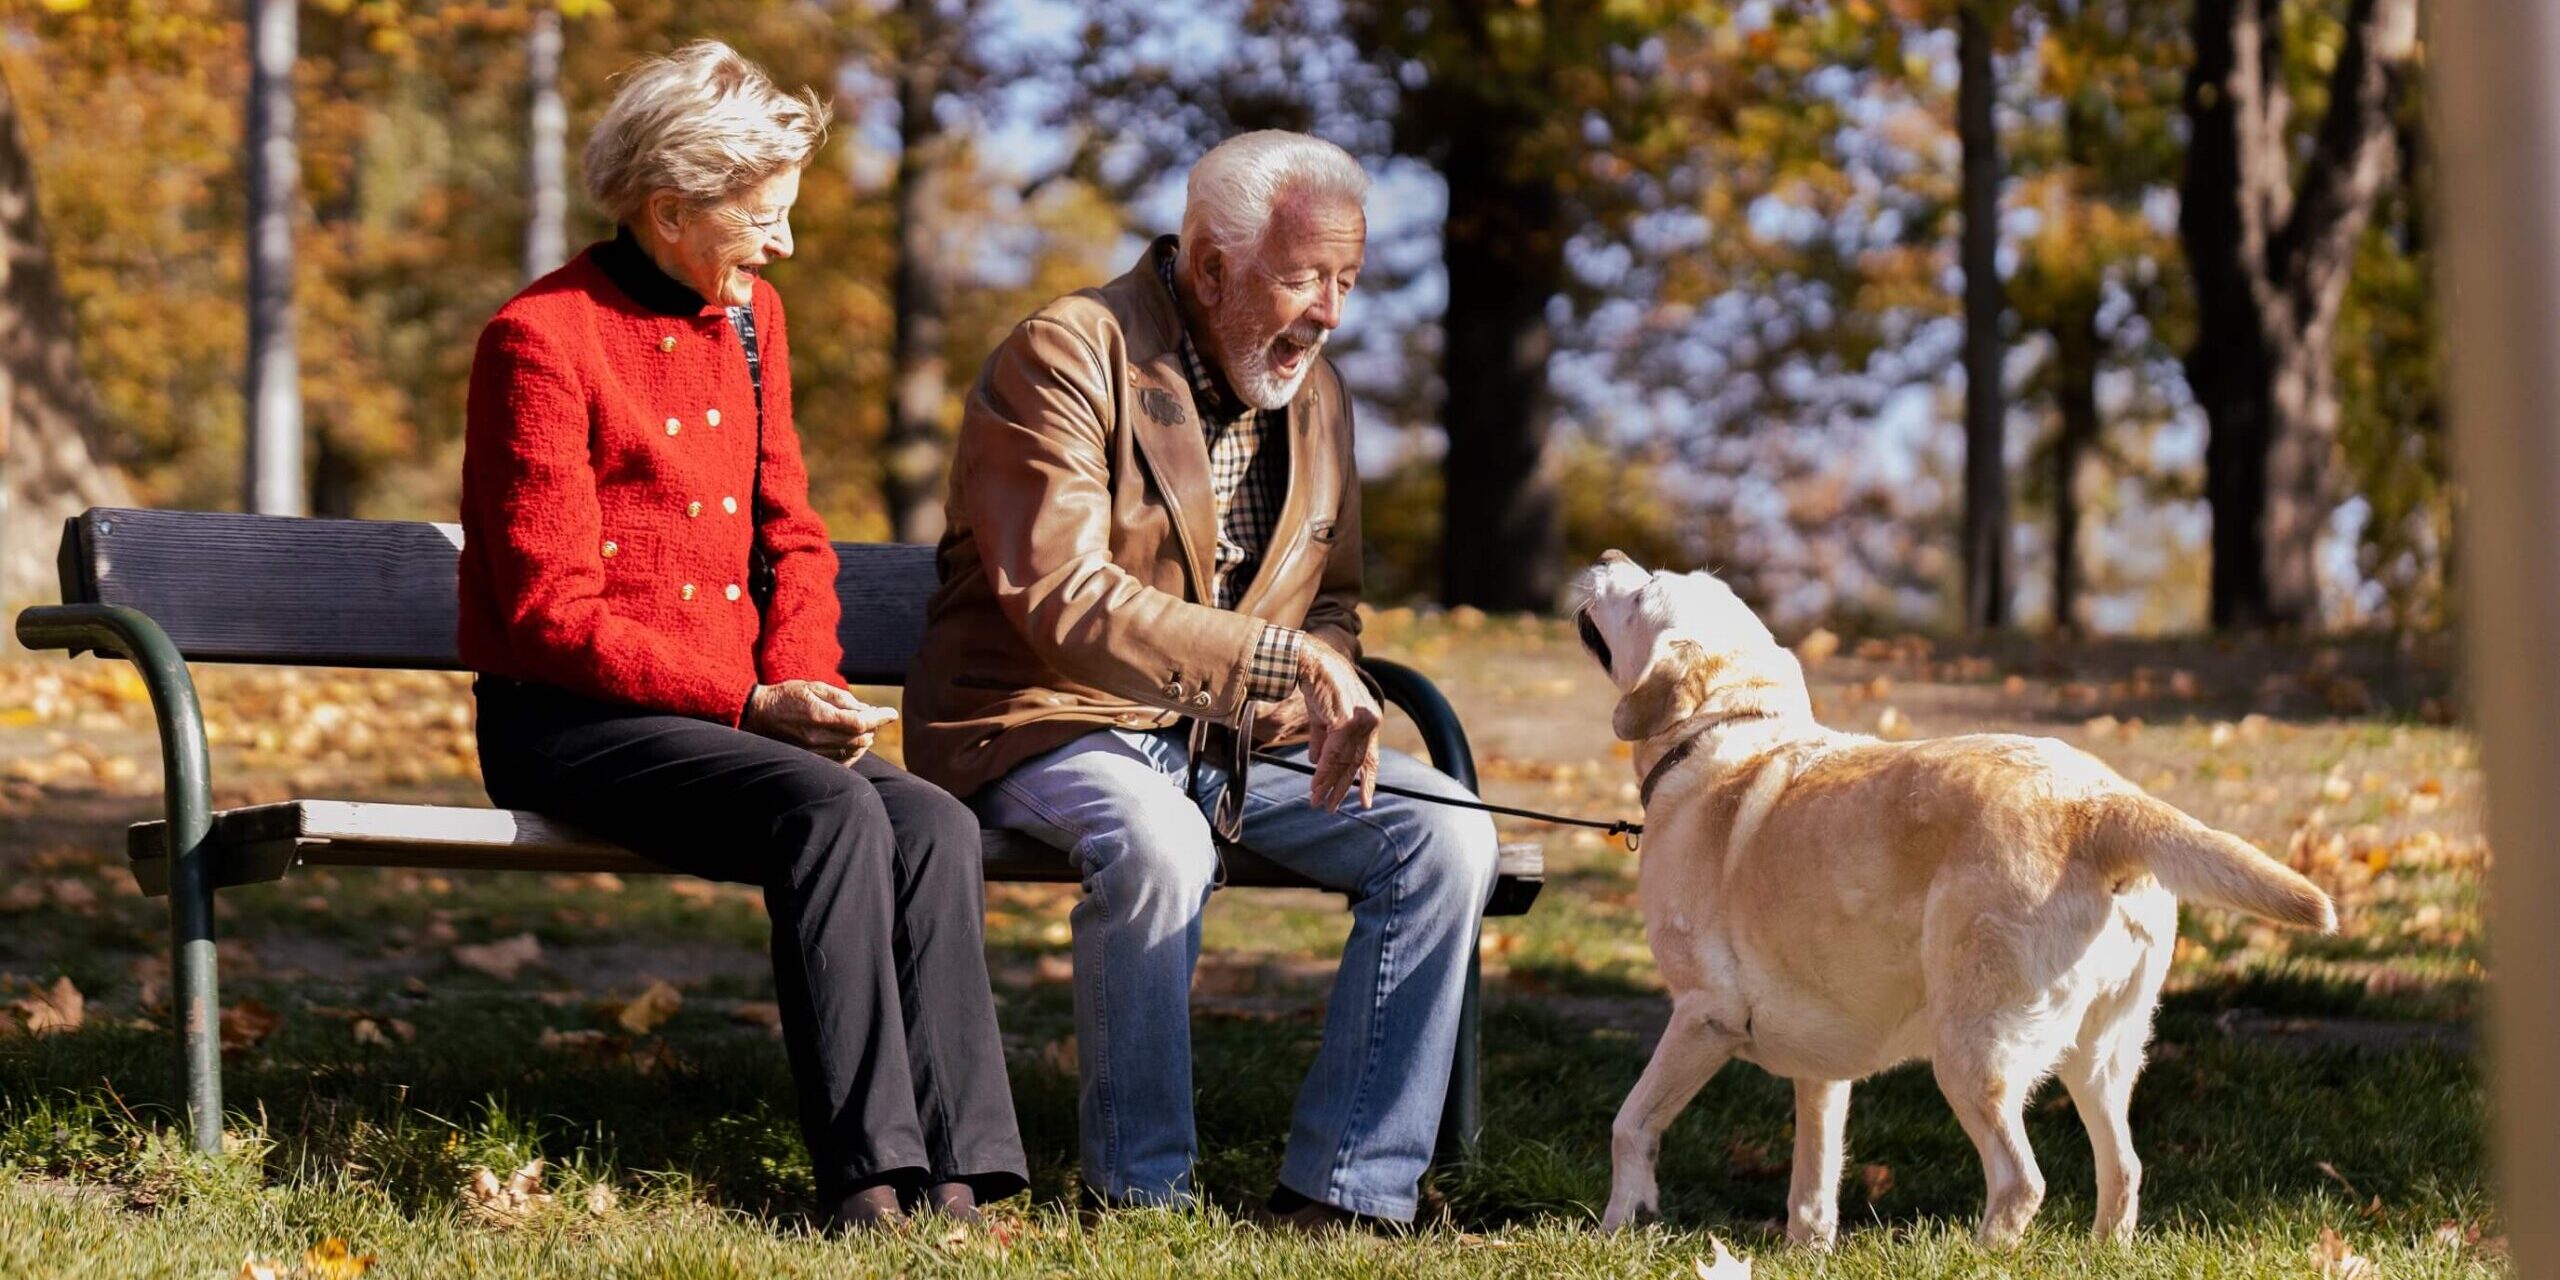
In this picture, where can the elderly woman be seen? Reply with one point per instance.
(650, 603)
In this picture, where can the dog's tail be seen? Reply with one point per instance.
(2199, 864)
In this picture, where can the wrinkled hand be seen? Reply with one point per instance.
(816, 716)
(1342, 726)
(1274, 721)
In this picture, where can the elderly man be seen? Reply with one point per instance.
(1154, 547)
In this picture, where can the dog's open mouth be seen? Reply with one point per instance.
(1591, 638)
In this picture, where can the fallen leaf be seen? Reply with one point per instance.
(1891, 724)
(1059, 1055)
(602, 1199)
(1878, 1180)
(585, 1039)
(246, 1024)
(331, 1260)
(254, 1267)
(649, 1010)
(1720, 1264)
(2336, 1262)
(1817, 647)
(500, 959)
(51, 1010)
(508, 1201)
(758, 1013)
(369, 1032)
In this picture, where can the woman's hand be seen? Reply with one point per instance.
(817, 716)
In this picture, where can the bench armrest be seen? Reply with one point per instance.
(187, 791)
(120, 631)
(1443, 737)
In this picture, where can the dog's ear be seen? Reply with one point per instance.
(1668, 693)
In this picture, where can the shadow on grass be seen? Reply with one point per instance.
(2230, 1126)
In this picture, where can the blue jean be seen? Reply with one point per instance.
(1418, 876)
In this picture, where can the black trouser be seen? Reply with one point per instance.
(871, 877)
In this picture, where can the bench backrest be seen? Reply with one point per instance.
(381, 593)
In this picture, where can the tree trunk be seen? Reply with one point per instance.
(2270, 258)
(274, 481)
(53, 458)
(2075, 397)
(1986, 477)
(913, 453)
(546, 183)
(1501, 530)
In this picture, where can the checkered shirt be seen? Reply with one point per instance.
(1249, 482)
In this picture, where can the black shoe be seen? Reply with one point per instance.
(872, 1207)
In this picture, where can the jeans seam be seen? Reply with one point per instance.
(1354, 1120)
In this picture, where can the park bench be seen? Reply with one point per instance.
(166, 588)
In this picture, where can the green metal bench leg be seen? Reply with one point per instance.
(187, 791)
(197, 1002)
(1462, 1114)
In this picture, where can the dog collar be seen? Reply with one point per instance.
(1687, 747)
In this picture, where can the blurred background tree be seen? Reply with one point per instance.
(1686, 279)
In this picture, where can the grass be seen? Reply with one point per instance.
(2298, 1084)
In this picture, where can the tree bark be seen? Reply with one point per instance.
(273, 479)
(1502, 530)
(2075, 397)
(914, 451)
(2270, 257)
(53, 455)
(1986, 477)
(546, 182)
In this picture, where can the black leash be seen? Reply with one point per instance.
(1630, 832)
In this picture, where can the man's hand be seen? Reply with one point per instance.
(816, 716)
(1342, 726)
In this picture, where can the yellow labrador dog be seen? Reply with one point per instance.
(1826, 905)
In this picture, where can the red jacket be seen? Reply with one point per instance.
(606, 481)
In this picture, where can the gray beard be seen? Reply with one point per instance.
(1249, 372)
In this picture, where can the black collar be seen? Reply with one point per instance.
(630, 268)
(1684, 749)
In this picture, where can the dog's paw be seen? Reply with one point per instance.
(1640, 1213)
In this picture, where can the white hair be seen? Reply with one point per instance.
(1228, 202)
(702, 122)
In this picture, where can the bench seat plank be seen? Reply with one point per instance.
(263, 842)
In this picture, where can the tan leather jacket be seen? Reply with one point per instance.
(1081, 538)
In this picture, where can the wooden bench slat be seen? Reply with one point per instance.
(352, 833)
(382, 593)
